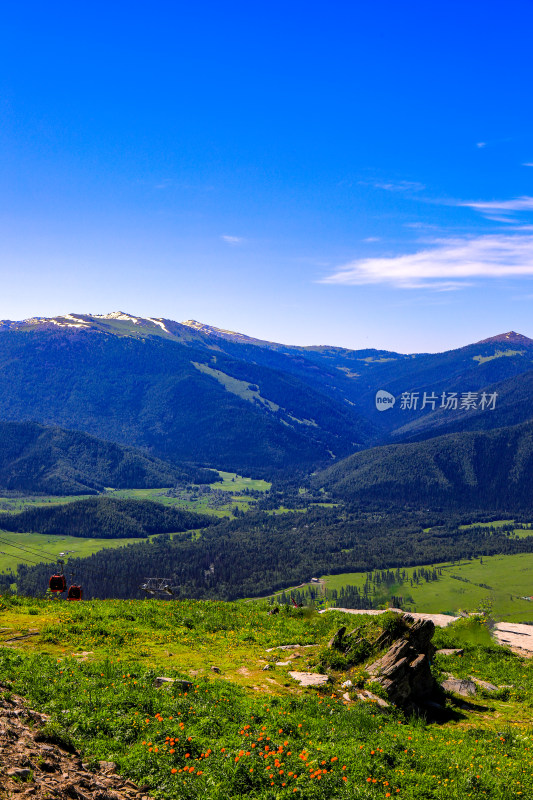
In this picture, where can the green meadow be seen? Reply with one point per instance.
(231, 482)
(243, 731)
(500, 581)
(197, 499)
(39, 547)
(15, 502)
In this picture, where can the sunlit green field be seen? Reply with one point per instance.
(232, 482)
(520, 532)
(41, 547)
(509, 578)
(14, 503)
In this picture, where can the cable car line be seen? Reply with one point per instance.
(58, 582)
(29, 550)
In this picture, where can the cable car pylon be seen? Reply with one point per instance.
(158, 586)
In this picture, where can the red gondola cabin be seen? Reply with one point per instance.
(58, 583)
(75, 592)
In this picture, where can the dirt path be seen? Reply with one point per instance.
(441, 620)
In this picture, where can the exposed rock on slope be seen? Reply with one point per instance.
(33, 764)
(404, 671)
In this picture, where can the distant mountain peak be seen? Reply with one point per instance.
(511, 337)
(93, 321)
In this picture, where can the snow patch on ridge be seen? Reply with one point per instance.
(118, 315)
(59, 321)
(158, 322)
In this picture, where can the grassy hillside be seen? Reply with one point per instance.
(29, 548)
(489, 470)
(245, 732)
(35, 458)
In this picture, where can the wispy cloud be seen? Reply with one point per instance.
(528, 164)
(372, 239)
(233, 240)
(398, 186)
(481, 144)
(448, 264)
(524, 203)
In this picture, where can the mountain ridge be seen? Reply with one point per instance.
(188, 393)
(37, 458)
(85, 321)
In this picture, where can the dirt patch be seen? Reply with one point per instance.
(517, 636)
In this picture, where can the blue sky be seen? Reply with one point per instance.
(354, 174)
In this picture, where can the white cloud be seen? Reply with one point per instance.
(481, 144)
(447, 265)
(527, 164)
(372, 239)
(524, 203)
(232, 239)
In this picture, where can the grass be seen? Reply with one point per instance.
(241, 734)
(197, 499)
(15, 502)
(47, 548)
(520, 533)
(185, 499)
(242, 389)
(497, 354)
(231, 482)
(506, 579)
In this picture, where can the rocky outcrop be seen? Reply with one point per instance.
(404, 671)
(450, 651)
(162, 681)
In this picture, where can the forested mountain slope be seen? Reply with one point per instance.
(104, 518)
(50, 460)
(193, 393)
(259, 553)
(180, 403)
(492, 469)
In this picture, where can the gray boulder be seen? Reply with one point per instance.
(459, 686)
(404, 671)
